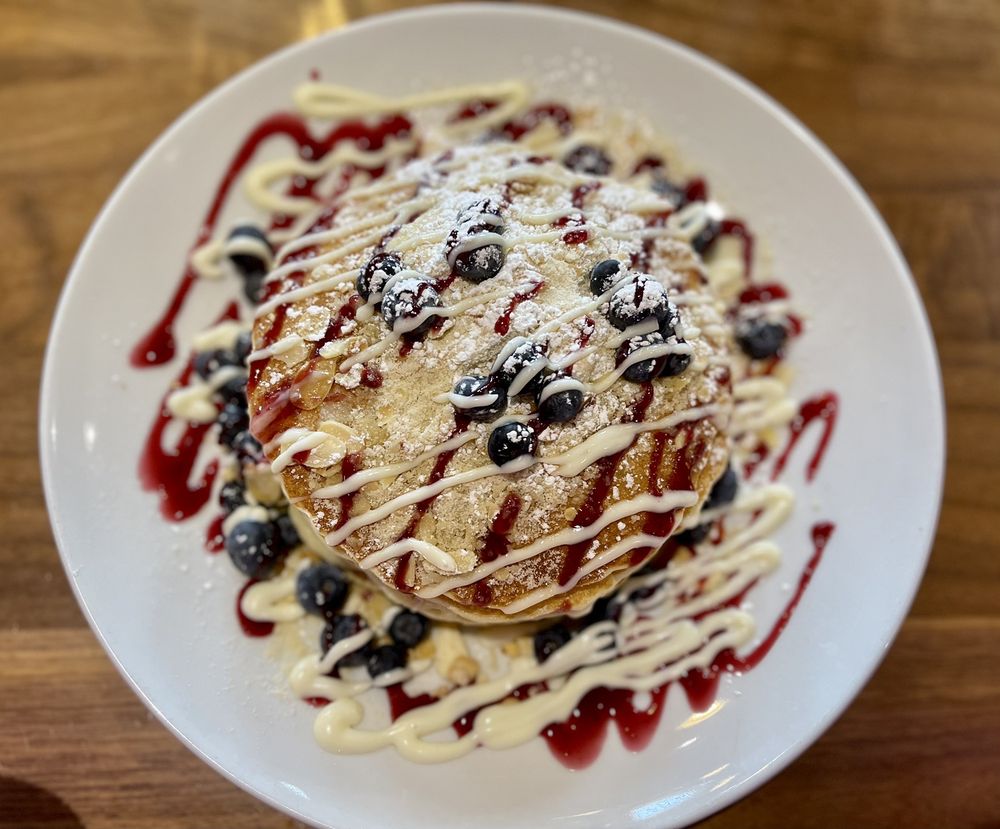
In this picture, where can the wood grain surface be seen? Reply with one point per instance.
(905, 92)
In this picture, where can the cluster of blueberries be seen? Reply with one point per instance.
(256, 548)
(233, 418)
(633, 303)
(405, 299)
(548, 640)
(636, 301)
(322, 590)
(400, 299)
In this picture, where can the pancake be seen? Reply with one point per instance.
(456, 504)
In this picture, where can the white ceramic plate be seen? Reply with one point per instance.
(164, 610)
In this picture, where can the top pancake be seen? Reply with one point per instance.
(312, 408)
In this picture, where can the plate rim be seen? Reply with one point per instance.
(861, 202)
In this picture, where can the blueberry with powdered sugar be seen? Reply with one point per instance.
(510, 442)
(479, 398)
(479, 263)
(642, 368)
(669, 324)
(637, 301)
(588, 159)
(373, 276)
(560, 398)
(604, 274)
(521, 367)
(474, 249)
(405, 304)
(485, 210)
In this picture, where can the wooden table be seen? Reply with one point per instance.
(906, 92)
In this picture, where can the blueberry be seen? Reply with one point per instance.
(705, 238)
(408, 628)
(480, 263)
(695, 535)
(760, 340)
(247, 448)
(253, 547)
(521, 367)
(321, 590)
(724, 490)
(253, 288)
(603, 276)
(549, 640)
(486, 210)
(644, 370)
(639, 300)
(510, 441)
(475, 260)
(386, 658)
(674, 364)
(668, 325)
(231, 496)
(560, 398)
(249, 250)
(232, 420)
(604, 609)
(243, 346)
(406, 300)
(286, 531)
(340, 628)
(588, 159)
(373, 276)
(674, 193)
(474, 386)
(206, 363)
(234, 390)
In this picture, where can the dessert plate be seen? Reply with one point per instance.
(164, 611)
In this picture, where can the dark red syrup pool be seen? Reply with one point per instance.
(168, 466)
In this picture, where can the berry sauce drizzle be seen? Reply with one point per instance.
(167, 470)
(823, 408)
(158, 346)
(215, 539)
(577, 741)
(502, 325)
(496, 544)
(593, 504)
(248, 625)
(421, 507)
